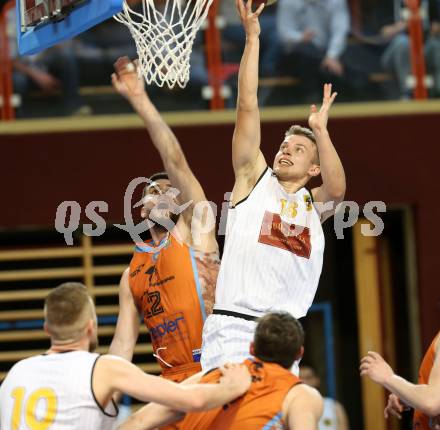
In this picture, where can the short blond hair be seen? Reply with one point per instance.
(297, 130)
(301, 131)
(67, 310)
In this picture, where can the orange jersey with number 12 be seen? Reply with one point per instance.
(173, 287)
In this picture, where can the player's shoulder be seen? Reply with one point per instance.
(302, 399)
(301, 390)
(23, 366)
(125, 274)
(19, 365)
(109, 363)
(27, 362)
(303, 394)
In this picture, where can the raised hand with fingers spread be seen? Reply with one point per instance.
(318, 119)
(375, 367)
(394, 407)
(249, 18)
(127, 81)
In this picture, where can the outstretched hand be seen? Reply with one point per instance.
(318, 119)
(249, 19)
(394, 407)
(376, 368)
(127, 80)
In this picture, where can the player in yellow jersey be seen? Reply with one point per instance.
(171, 279)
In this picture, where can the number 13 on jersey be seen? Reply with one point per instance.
(38, 409)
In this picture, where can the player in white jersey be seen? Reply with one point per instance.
(70, 387)
(274, 241)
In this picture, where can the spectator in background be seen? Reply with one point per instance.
(104, 43)
(433, 45)
(52, 69)
(396, 58)
(313, 34)
(334, 416)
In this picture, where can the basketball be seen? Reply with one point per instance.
(124, 65)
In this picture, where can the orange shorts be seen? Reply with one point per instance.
(178, 375)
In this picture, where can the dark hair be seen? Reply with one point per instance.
(158, 175)
(278, 339)
(154, 177)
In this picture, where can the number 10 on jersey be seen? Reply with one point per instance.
(28, 407)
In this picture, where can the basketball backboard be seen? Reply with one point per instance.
(44, 23)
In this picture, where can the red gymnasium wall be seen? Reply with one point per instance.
(389, 158)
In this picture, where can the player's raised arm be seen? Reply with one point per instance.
(304, 407)
(332, 172)
(247, 159)
(127, 327)
(130, 85)
(113, 374)
(423, 397)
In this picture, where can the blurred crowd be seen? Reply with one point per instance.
(310, 41)
(318, 41)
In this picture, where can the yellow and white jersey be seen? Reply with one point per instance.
(53, 392)
(273, 252)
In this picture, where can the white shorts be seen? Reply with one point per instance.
(227, 339)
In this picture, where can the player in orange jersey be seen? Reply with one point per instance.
(423, 397)
(171, 279)
(276, 400)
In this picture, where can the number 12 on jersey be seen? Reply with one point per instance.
(28, 407)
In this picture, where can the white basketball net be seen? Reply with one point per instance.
(164, 34)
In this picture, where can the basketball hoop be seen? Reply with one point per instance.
(164, 34)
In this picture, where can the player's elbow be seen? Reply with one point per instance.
(197, 402)
(336, 192)
(431, 406)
